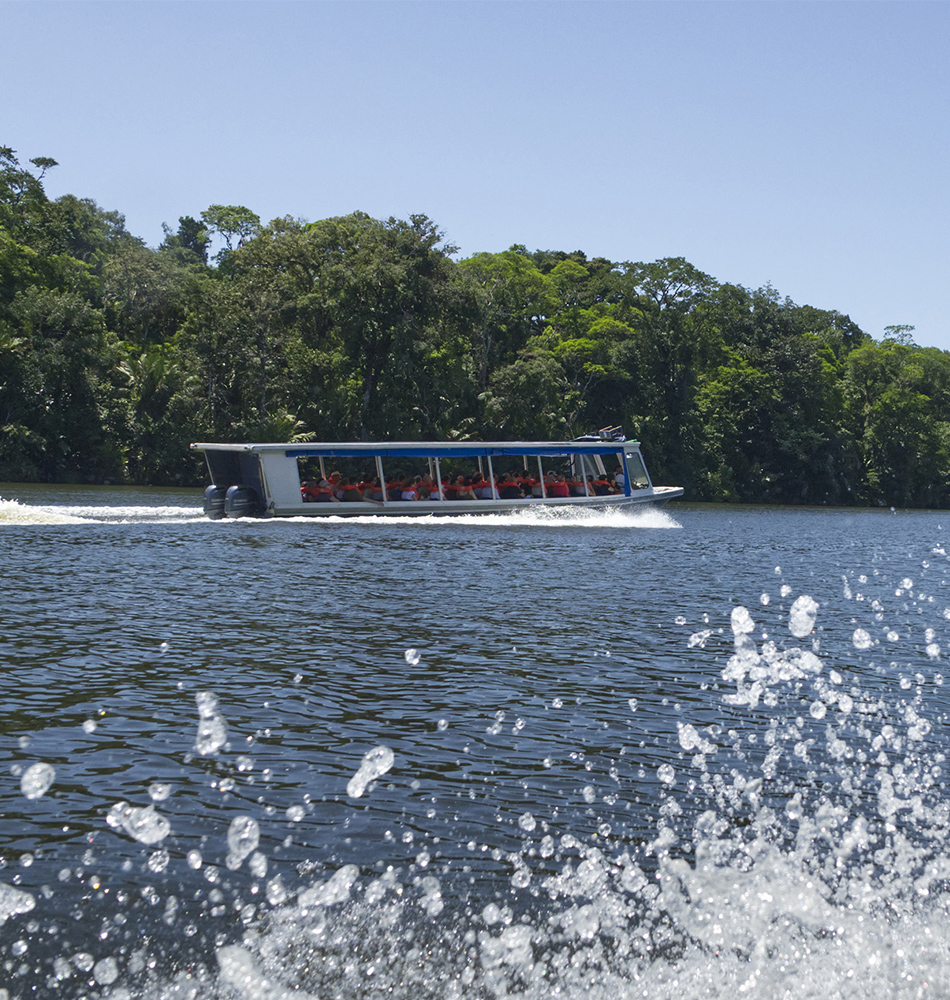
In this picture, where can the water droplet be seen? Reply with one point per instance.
(105, 971)
(296, 813)
(375, 763)
(442, 725)
(862, 639)
(212, 729)
(89, 726)
(14, 901)
(158, 861)
(801, 617)
(742, 622)
(527, 822)
(142, 824)
(412, 657)
(36, 780)
(159, 791)
(244, 835)
(666, 774)
(632, 702)
(817, 710)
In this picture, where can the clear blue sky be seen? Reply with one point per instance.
(801, 144)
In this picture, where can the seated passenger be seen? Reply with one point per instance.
(349, 491)
(463, 485)
(372, 490)
(508, 489)
(431, 490)
(450, 490)
(556, 486)
(482, 488)
(308, 490)
(409, 489)
(602, 487)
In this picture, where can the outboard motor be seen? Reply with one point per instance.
(214, 502)
(242, 501)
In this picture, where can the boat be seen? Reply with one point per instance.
(599, 471)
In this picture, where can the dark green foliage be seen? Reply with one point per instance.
(114, 356)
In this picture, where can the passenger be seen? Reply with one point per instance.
(556, 486)
(349, 491)
(394, 488)
(373, 490)
(428, 484)
(463, 485)
(508, 489)
(309, 490)
(450, 490)
(324, 492)
(409, 489)
(482, 488)
(602, 487)
(620, 479)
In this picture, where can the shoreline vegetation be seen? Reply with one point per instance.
(114, 356)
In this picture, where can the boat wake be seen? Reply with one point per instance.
(542, 517)
(13, 512)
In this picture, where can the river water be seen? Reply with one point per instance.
(693, 752)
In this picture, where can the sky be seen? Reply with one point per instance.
(803, 145)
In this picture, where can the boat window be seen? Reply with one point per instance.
(637, 471)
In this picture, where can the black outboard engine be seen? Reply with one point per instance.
(242, 501)
(214, 502)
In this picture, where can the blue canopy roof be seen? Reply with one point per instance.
(430, 449)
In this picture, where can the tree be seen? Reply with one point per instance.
(189, 245)
(235, 224)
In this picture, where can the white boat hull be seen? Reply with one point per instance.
(655, 496)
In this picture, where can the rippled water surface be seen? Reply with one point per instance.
(680, 753)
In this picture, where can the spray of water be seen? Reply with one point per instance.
(802, 854)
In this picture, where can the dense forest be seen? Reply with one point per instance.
(114, 356)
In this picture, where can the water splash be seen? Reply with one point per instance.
(12, 512)
(142, 823)
(212, 728)
(15, 512)
(802, 853)
(647, 517)
(375, 763)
